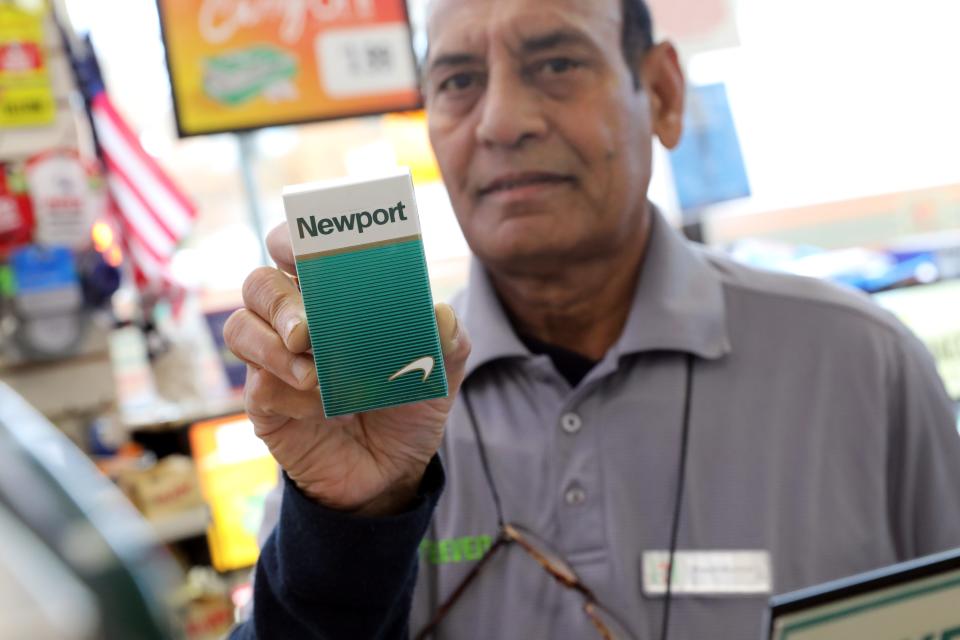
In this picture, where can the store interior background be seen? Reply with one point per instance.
(848, 121)
(832, 101)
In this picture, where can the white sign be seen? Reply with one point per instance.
(365, 61)
(708, 573)
(64, 204)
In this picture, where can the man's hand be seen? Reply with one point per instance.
(368, 463)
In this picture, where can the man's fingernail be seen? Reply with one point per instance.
(302, 368)
(456, 327)
(291, 326)
(446, 315)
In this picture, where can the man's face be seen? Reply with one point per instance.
(543, 140)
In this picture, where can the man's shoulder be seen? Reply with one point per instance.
(809, 300)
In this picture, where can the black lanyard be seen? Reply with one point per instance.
(677, 503)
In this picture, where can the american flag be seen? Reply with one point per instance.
(153, 214)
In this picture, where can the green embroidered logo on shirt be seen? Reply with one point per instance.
(455, 550)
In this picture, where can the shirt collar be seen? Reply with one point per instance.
(491, 335)
(678, 305)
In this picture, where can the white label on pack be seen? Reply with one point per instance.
(341, 214)
(708, 573)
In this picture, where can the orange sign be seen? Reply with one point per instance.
(245, 64)
(236, 472)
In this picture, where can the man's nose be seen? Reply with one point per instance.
(511, 111)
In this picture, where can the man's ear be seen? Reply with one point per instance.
(663, 81)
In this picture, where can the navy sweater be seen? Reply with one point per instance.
(326, 574)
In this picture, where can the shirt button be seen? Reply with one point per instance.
(575, 495)
(571, 423)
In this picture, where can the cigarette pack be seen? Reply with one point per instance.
(363, 275)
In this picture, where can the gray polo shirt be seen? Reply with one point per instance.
(820, 438)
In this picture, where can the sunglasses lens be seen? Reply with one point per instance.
(550, 559)
(608, 626)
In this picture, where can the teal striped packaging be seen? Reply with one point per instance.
(366, 291)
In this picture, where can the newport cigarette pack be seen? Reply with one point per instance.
(363, 276)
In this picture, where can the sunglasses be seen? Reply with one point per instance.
(553, 563)
(511, 534)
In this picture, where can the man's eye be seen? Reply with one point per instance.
(458, 82)
(557, 66)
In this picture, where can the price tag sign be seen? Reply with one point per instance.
(244, 64)
(365, 61)
(26, 95)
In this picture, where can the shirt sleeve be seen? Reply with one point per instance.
(924, 457)
(326, 574)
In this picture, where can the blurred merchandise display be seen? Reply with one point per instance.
(205, 605)
(188, 369)
(865, 269)
(133, 377)
(943, 249)
(86, 213)
(48, 303)
(16, 210)
(26, 93)
(123, 246)
(236, 474)
(167, 487)
(235, 368)
(66, 196)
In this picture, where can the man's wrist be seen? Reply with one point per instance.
(397, 499)
(313, 550)
(401, 497)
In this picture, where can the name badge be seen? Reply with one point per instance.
(708, 573)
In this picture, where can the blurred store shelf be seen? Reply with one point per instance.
(172, 416)
(83, 381)
(180, 526)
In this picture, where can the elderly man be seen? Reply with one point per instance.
(630, 403)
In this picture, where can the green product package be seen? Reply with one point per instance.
(366, 291)
(235, 77)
